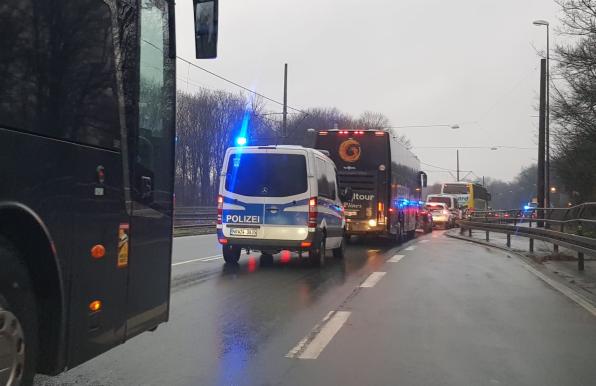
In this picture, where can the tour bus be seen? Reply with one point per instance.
(87, 109)
(384, 177)
(470, 196)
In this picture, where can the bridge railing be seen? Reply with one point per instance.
(573, 228)
(195, 217)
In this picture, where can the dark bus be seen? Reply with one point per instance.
(87, 110)
(384, 177)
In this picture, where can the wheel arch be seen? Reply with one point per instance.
(24, 228)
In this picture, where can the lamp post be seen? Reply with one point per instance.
(544, 23)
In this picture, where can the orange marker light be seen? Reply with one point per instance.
(95, 306)
(98, 251)
(305, 244)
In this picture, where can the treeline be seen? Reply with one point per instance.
(574, 101)
(208, 122)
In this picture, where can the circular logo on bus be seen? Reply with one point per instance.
(350, 150)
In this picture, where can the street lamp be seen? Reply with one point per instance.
(544, 23)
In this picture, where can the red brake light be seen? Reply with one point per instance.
(312, 212)
(220, 201)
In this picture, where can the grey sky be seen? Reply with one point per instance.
(470, 62)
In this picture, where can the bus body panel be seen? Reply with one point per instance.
(87, 142)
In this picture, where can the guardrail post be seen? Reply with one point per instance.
(580, 261)
(508, 240)
(530, 222)
(487, 238)
(470, 232)
(531, 245)
(461, 230)
(556, 248)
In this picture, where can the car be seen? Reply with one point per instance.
(425, 220)
(441, 215)
(451, 200)
(274, 198)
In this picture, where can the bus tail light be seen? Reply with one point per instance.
(220, 201)
(312, 212)
(323, 133)
(379, 133)
(381, 213)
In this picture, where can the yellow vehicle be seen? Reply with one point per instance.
(470, 196)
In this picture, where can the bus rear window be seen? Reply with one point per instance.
(266, 174)
(455, 189)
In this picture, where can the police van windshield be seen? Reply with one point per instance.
(266, 174)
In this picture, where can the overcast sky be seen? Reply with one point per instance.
(419, 62)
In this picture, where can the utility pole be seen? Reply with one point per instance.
(457, 165)
(547, 130)
(284, 127)
(483, 184)
(540, 193)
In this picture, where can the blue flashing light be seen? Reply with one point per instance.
(527, 207)
(241, 141)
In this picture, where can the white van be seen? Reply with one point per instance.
(450, 200)
(274, 198)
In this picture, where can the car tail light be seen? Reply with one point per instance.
(323, 133)
(312, 212)
(220, 201)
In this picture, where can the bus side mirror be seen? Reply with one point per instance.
(345, 194)
(206, 20)
(423, 179)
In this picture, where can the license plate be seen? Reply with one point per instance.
(246, 232)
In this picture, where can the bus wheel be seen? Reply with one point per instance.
(18, 320)
(231, 254)
(316, 255)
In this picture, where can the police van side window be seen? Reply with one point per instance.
(322, 179)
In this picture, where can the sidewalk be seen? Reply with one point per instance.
(562, 266)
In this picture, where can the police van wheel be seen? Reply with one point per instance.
(340, 251)
(231, 254)
(18, 320)
(316, 255)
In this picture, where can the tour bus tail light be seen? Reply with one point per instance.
(220, 201)
(312, 212)
(323, 133)
(381, 213)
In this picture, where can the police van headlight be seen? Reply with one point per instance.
(372, 223)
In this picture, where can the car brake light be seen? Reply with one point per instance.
(312, 212)
(220, 201)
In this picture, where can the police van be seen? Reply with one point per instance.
(274, 198)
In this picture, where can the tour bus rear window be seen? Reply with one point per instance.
(444, 200)
(266, 175)
(455, 189)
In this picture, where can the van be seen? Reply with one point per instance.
(274, 198)
(450, 200)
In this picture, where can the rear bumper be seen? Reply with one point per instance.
(268, 244)
(363, 228)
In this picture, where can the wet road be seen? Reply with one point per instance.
(432, 311)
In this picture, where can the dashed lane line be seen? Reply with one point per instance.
(423, 241)
(395, 259)
(372, 279)
(410, 248)
(311, 346)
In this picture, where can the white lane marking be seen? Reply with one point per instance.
(372, 279)
(423, 241)
(208, 258)
(311, 346)
(396, 258)
(410, 248)
(563, 289)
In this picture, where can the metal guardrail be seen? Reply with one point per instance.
(195, 217)
(575, 227)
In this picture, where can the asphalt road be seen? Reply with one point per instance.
(434, 311)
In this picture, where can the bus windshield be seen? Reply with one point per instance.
(455, 189)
